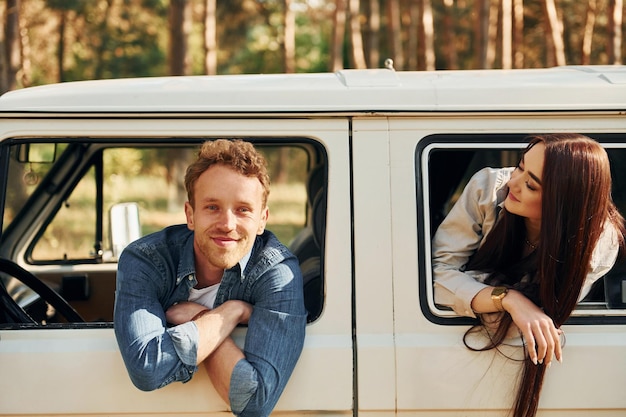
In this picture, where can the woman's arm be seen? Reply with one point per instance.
(542, 338)
(460, 235)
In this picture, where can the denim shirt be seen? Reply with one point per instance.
(158, 271)
(463, 230)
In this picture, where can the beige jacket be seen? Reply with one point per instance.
(462, 232)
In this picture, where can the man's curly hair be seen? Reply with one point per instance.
(237, 154)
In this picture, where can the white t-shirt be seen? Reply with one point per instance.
(205, 296)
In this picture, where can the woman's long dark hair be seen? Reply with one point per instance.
(576, 206)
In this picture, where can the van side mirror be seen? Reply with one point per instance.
(124, 226)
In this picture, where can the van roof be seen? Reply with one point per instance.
(375, 90)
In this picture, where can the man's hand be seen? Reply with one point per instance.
(183, 312)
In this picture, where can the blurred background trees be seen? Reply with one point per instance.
(47, 41)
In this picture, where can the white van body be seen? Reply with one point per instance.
(381, 346)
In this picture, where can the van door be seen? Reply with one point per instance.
(431, 159)
(75, 368)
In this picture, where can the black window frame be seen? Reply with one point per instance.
(317, 155)
(425, 220)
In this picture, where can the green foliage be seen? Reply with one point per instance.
(107, 38)
(91, 39)
(312, 41)
(281, 160)
(124, 161)
(121, 39)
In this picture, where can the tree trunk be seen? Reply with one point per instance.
(429, 35)
(12, 53)
(555, 31)
(550, 55)
(373, 51)
(448, 34)
(590, 21)
(615, 31)
(210, 37)
(481, 32)
(289, 45)
(180, 27)
(507, 34)
(339, 30)
(102, 47)
(179, 30)
(356, 37)
(395, 34)
(26, 70)
(414, 41)
(492, 35)
(518, 33)
(61, 45)
(3, 54)
(177, 162)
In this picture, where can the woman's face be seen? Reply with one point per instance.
(524, 198)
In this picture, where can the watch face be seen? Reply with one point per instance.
(499, 291)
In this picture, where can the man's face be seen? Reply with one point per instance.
(226, 216)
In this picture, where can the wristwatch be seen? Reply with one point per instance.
(497, 295)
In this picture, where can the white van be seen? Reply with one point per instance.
(365, 164)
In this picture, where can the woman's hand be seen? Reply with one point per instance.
(183, 312)
(541, 336)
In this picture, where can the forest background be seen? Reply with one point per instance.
(48, 41)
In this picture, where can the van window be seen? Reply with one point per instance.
(444, 165)
(85, 203)
(28, 164)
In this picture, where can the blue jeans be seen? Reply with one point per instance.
(158, 271)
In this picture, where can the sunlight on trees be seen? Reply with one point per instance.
(47, 41)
